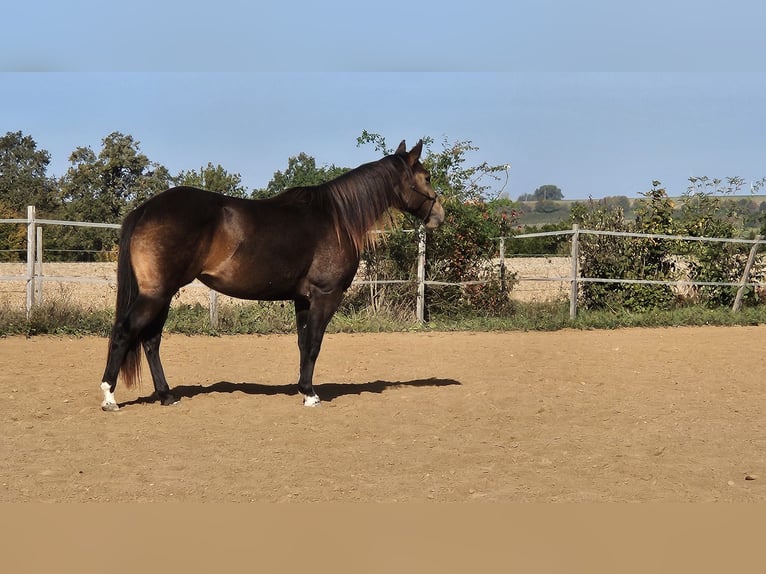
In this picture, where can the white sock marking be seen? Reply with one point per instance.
(310, 401)
(109, 404)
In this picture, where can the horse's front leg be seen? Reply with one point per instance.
(312, 317)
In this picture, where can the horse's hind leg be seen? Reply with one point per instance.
(120, 342)
(153, 334)
(127, 333)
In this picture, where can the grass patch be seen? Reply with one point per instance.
(55, 317)
(521, 317)
(61, 317)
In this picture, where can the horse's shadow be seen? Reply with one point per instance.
(326, 391)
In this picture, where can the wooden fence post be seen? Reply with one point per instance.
(420, 307)
(31, 252)
(575, 271)
(746, 275)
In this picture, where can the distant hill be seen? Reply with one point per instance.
(557, 211)
(553, 212)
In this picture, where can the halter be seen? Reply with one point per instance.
(427, 197)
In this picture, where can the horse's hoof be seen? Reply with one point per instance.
(110, 407)
(311, 401)
(169, 400)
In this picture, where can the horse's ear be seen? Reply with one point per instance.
(402, 148)
(415, 152)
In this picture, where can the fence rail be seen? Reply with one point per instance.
(34, 277)
(575, 278)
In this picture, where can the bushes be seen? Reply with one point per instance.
(627, 257)
(700, 215)
(462, 250)
(546, 245)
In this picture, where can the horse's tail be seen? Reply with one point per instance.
(127, 292)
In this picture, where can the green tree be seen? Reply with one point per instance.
(544, 193)
(301, 171)
(23, 176)
(213, 178)
(23, 182)
(104, 188)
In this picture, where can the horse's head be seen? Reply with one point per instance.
(418, 197)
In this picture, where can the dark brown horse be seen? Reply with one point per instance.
(301, 245)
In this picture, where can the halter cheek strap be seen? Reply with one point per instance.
(417, 191)
(427, 198)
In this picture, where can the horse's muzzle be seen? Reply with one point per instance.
(435, 217)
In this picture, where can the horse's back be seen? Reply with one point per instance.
(170, 235)
(182, 202)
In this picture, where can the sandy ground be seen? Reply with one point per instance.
(629, 415)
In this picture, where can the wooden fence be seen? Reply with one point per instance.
(34, 277)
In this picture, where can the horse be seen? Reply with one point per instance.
(303, 244)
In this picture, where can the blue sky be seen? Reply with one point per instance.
(599, 98)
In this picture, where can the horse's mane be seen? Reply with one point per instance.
(356, 200)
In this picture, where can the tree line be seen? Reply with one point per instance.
(104, 185)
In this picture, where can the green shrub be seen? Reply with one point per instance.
(603, 256)
(701, 214)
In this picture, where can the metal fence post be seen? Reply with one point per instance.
(420, 310)
(575, 271)
(31, 251)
